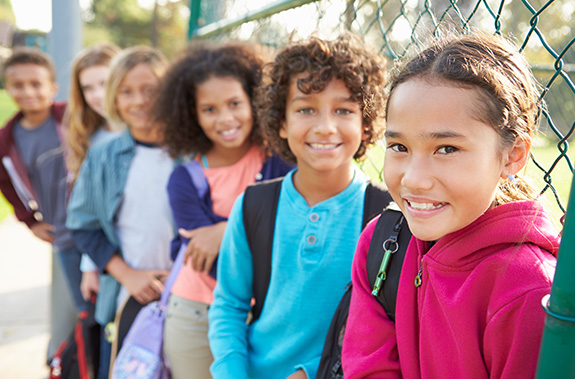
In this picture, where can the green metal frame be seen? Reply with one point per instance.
(557, 355)
(195, 10)
(195, 31)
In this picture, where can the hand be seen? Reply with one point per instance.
(299, 374)
(90, 284)
(204, 245)
(145, 285)
(43, 231)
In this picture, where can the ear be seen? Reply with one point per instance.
(364, 132)
(283, 130)
(516, 157)
(55, 89)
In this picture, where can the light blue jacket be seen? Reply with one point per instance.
(92, 210)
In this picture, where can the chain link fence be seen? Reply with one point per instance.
(542, 29)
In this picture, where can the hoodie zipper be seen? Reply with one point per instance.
(419, 276)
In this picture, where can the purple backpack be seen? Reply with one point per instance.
(141, 355)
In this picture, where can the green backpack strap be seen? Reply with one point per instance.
(385, 257)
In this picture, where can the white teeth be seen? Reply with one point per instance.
(424, 206)
(323, 146)
(228, 132)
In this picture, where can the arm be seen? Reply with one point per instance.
(513, 337)
(197, 223)
(228, 330)
(369, 345)
(90, 284)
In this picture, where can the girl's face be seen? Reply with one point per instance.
(93, 85)
(442, 165)
(224, 112)
(134, 100)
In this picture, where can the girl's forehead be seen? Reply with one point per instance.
(435, 110)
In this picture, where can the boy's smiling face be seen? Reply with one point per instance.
(31, 86)
(323, 129)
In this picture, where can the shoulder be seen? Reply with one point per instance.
(123, 142)
(180, 176)
(274, 166)
(514, 273)
(6, 131)
(58, 110)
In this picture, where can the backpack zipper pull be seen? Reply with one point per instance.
(419, 276)
(390, 246)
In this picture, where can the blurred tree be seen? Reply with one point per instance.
(129, 22)
(6, 13)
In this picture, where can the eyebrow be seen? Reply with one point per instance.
(307, 97)
(428, 136)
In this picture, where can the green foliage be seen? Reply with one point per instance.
(7, 110)
(6, 13)
(126, 23)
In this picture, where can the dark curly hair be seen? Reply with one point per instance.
(503, 79)
(346, 59)
(175, 106)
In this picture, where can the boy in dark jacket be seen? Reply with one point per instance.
(33, 176)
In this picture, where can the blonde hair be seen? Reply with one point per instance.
(122, 64)
(81, 120)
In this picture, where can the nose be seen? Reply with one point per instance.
(139, 97)
(99, 93)
(225, 115)
(417, 174)
(326, 123)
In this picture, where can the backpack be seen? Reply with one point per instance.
(78, 357)
(384, 262)
(259, 215)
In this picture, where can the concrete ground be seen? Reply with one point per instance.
(25, 267)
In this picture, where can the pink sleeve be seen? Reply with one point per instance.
(370, 344)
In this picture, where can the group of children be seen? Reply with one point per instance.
(459, 119)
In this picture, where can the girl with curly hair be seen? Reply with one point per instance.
(206, 109)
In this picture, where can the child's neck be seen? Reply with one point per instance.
(220, 157)
(316, 188)
(32, 120)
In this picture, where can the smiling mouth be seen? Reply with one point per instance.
(424, 206)
(229, 132)
(324, 146)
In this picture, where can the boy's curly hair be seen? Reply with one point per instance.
(346, 58)
(175, 107)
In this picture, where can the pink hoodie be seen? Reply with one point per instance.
(478, 311)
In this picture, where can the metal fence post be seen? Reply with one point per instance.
(64, 41)
(195, 9)
(557, 355)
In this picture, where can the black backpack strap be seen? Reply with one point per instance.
(259, 215)
(391, 233)
(376, 199)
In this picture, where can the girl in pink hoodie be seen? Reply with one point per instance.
(460, 121)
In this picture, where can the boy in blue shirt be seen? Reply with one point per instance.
(321, 105)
